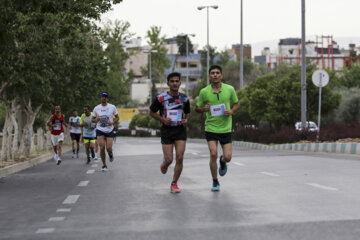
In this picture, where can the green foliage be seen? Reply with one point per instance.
(181, 42)
(144, 121)
(276, 98)
(118, 83)
(351, 77)
(159, 60)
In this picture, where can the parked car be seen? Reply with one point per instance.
(311, 126)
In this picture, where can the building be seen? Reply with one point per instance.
(324, 52)
(235, 50)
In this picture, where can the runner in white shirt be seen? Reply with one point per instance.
(75, 132)
(103, 115)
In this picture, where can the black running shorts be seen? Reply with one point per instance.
(75, 136)
(108, 135)
(223, 138)
(171, 134)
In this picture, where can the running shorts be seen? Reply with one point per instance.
(89, 140)
(171, 134)
(75, 136)
(101, 133)
(55, 139)
(223, 138)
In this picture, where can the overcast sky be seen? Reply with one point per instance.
(264, 20)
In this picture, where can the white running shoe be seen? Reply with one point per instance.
(56, 157)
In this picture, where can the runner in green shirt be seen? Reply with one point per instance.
(216, 100)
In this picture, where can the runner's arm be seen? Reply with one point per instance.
(233, 109)
(49, 122)
(160, 118)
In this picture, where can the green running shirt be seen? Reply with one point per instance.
(215, 121)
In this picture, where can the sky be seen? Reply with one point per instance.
(264, 21)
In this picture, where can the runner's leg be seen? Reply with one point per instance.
(179, 149)
(168, 153)
(227, 152)
(59, 148)
(101, 142)
(213, 157)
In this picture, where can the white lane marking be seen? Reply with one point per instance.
(45, 230)
(71, 199)
(63, 210)
(56, 219)
(316, 185)
(94, 165)
(239, 164)
(270, 174)
(91, 171)
(83, 183)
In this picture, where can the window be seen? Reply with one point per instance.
(193, 65)
(183, 65)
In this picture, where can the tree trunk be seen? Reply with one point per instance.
(14, 153)
(40, 140)
(27, 131)
(7, 132)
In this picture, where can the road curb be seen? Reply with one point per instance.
(17, 167)
(352, 148)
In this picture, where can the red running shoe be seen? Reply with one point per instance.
(164, 167)
(174, 188)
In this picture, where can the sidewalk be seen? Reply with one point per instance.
(17, 167)
(352, 148)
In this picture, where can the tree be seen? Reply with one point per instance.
(159, 61)
(118, 82)
(181, 42)
(45, 45)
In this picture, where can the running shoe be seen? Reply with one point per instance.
(215, 187)
(73, 156)
(164, 167)
(174, 188)
(104, 169)
(58, 161)
(222, 167)
(88, 160)
(56, 157)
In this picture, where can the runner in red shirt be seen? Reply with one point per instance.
(55, 124)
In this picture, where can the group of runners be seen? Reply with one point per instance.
(172, 108)
(219, 101)
(95, 129)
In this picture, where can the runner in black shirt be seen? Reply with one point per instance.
(174, 114)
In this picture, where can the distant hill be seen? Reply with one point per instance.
(273, 44)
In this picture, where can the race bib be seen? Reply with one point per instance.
(57, 127)
(104, 121)
(175, 115)
(217, 110)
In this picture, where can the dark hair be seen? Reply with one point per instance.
(87, 106)
(215, 67)
(74, 110)
(173, 74)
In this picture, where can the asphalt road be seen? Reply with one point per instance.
(265, 195)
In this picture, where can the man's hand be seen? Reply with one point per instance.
(166, 121)
(110, 122)
(228, 112)
(206, 108)
(185, 122)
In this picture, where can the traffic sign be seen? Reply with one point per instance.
(320, 78)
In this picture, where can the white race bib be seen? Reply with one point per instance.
(217, 110)
(57, 127)
(175, 115)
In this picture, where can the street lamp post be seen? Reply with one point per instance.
(241, 57)
(208, 47)
(149, 51)
(303, 66)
